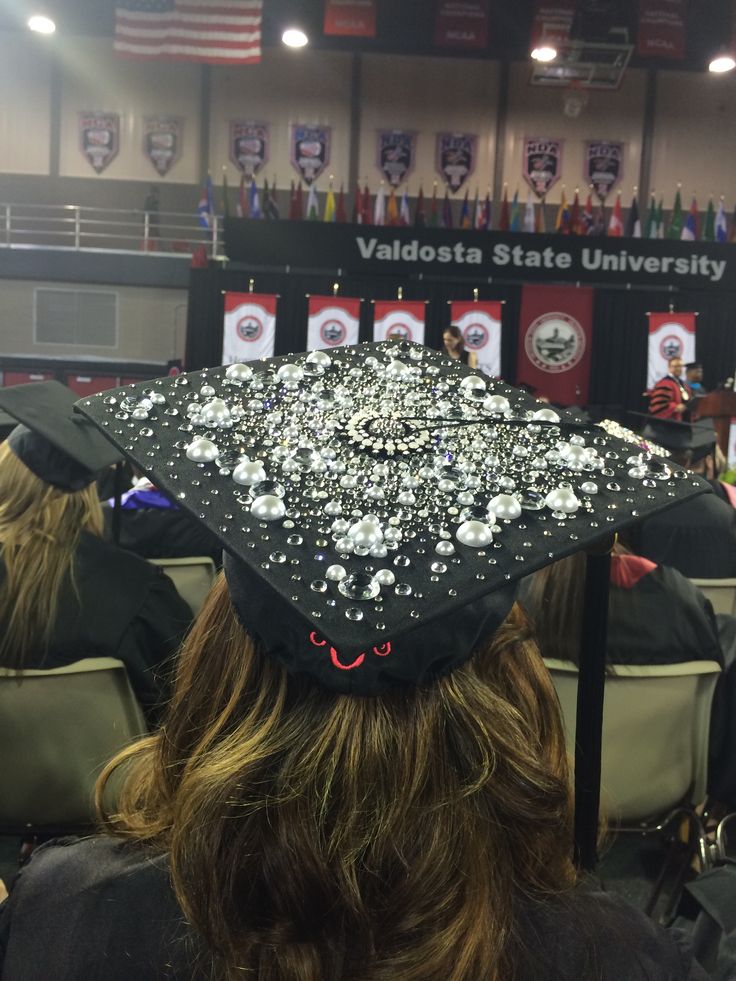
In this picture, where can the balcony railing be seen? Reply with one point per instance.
(81, 229)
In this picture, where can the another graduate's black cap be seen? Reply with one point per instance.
(56, 444)
(693, 364)
(7, 425)
(378, 504)
(696, 438)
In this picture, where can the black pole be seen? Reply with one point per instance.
(117, 503)
(589, 718)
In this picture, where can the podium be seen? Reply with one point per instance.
(720, 406)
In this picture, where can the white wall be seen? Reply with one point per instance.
(93, 78)
(428, 96)
(151, 323)
(311, 87)
(25, 78)
(537, 111)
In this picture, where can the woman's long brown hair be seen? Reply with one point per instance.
(320, 837)
(40, 527)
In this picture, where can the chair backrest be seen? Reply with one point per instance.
(58, 728)
(721, 593)
(193, 577)
(656, 721)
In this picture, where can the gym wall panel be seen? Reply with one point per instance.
(288, 87)
(25, 100)
(151, 323)
(538, 111)
(695, 136)
(428, 95)
(94, 79)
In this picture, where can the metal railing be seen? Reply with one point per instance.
(81, 229)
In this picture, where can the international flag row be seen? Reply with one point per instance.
(386, 207)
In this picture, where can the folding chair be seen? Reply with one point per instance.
(193, 577)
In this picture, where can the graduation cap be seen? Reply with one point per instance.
(699, 438)
(378, 505)
(56, 444)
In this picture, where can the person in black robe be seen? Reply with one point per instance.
(69, 594)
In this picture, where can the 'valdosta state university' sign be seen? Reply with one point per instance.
(365, 249)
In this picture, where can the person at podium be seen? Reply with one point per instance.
(694, 378)
(670, 398)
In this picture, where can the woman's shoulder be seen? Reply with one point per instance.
(81, 901)
(589, 933)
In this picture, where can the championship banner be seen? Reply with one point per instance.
(555, 335)
(396, 149)
(332, 322)
(309, 148)
(99, 138)
(671, 335)
(401, 319)
(480, 323)
(162, 139)
(603, 165)
(455, 156)
(552, 22)
(461, 24)
(541, 163)
(248, 143)
(350, 18)
(249, 327)
(661, 31)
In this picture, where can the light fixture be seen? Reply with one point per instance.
(544, 52)
(294, 37)
(41, 24)
(722, 62)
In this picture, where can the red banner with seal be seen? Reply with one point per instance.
(555, 339)
(350, 18)
(461, 24)
(661, 31)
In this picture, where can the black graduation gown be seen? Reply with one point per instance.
(697, 537)
(163, 533)
(101, 909)
(123, 607)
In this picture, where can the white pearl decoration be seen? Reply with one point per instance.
(335, 573)
(202, 450)
(562, 499)
(239, 372)
(545, 415)
(384, 577)
(319, 358)
(365, 533)
(215, 412)
(497, 404)
(474, 534)
(589, 487)
(249, 472)
(505, 506)
(268, 508)
(292, 373)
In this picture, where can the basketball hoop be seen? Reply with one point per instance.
(574, 99)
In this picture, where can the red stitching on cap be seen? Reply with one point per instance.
(335, 658)
(313, 640)
(383, 649)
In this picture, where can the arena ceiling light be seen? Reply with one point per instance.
(722, 62)
(41, 24)
(294, 37)
(544, 51)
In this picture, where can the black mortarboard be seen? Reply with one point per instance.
(56, 444)
(7, 425)
(678, 437)
(693, 364)
(377, 504)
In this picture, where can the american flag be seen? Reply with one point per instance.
(221, 32)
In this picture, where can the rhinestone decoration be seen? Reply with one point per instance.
(360, 478)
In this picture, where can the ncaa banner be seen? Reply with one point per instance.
(350, 18)
(400, 319)
(555, 334)
(480, 323)
(332, 322)
(249, 327)
(661, 31)
(671, 335)
(461, 24)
